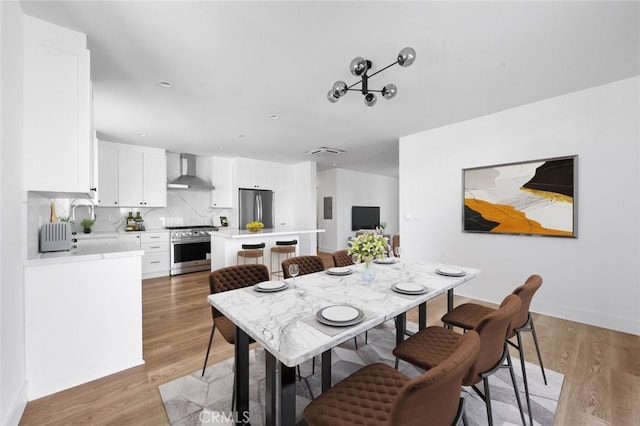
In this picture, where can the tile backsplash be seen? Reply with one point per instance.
(184, 207)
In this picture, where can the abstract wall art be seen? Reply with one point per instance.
(526, 198)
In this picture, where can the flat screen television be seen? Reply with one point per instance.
(363, 217)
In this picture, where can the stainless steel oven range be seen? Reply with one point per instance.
(190, 248)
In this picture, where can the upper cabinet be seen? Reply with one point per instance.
(131, 176)
(222, 180)
(107, 175)
(57, 147)
(257, 174)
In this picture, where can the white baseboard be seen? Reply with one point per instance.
(17, 408)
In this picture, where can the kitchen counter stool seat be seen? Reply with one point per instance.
(286, 248)
(251, 251)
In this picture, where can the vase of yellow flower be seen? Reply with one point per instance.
(254, 226)
(366, 248)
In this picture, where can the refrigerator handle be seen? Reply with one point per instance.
(259, 203)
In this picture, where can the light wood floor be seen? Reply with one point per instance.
(601, 367)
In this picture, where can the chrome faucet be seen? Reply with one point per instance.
(89, 204)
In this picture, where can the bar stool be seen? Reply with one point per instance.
(286, 248)
(251, 251)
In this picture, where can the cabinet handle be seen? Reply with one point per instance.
(155, 261)
(155, 247)
(156, 237)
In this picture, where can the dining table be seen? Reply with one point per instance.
(290, 320)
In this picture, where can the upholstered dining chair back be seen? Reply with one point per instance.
(525, 292)
(342, 258)
(306, 265)
(233, 277)
(492, 329)
(433, 398)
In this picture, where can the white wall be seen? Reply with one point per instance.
(350, 188)
(13, 392)
(304, 177)
(589, 279)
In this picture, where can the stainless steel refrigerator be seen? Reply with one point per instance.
(256, 204)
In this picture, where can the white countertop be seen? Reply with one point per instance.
(238, 233)
(95, 247)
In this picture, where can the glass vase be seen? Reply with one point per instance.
(368, 271)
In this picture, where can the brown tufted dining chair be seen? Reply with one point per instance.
(342, 258)
(231, 278)
(306, 265)
(380, 395)
(468, 315)
(430, 346)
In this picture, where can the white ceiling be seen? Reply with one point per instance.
(234, 64)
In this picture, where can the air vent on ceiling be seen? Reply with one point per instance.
(326, 151)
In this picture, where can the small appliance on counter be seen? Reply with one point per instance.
(56, 236)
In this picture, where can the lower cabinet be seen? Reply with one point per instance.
(155, 262)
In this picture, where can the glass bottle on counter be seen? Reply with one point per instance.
(131, 222)
(139, 222)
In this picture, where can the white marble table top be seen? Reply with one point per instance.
(284, 324)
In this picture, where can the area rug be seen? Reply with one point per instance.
(196, 400)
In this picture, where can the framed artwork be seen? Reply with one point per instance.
(526, 198)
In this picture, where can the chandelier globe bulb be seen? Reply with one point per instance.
(358, 66)
(370, 99)
(406, 57)
(340, 88)
(389, 91)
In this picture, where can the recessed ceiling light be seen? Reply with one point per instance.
(165, 83)
(275, 116)
(141, 134)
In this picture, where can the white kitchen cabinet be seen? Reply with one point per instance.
(154, 167)
(257, 174)
(131, 176)
(155, 262)
(56, 109)
(222, 179)
(107, 175)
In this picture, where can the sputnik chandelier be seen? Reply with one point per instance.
(360, 68)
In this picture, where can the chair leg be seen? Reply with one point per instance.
(355, 340)
(535, 341)
(524, 376)
(461, 415)
(397, 363)
(487, 399)
(515, 386)
(206, 357)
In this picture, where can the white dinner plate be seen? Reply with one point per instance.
(410, 288)
(385, 260)
(450, 271)
(339, 271)
(344, 314)
(340, 313)
(271, 286)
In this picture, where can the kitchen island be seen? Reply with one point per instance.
(83, 314)
(225, 243)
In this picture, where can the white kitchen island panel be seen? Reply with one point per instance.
(83, 321)
(226, 243)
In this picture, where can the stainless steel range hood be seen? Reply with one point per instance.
(188, 178)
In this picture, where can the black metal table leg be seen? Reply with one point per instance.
(270, 389)
(449, 300)
(422, 316)
(401, 327)
(326, 370)
(288, 395)
(242, 377)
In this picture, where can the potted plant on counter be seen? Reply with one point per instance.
(86, 225)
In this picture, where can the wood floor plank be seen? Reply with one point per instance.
(601, 367)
